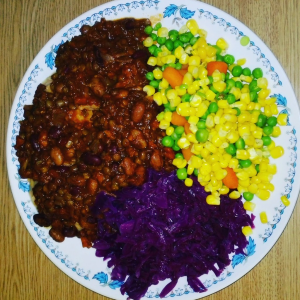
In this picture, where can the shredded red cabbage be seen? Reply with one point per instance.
(164, 229)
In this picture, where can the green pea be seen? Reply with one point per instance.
(161, 40)
(202, 135)
(173, 32)
(154, 83)
(183, 86)
(196, 172)
(175, 136)
(150, 76)
(201, 124)
(257, 73)
(178, 66)
(175, 146)
(267, 130)
(253, 96)
(240, 144)
(179, 155)
(238, 84)
(182, 173)
(173, 37)
(257, 168)
(211, 80)
(231, 149)
(167, 141)
(169, 44)
(238, 111)
(245, 163)
(246, 72)
(219, 50)
(237, 71)
(169, 107)
(229, 59)
(177, 44)
(164, 67)
(272, 121)
(261, 121)
(179, 130)
(184, 38)
(230, 98)
(266, 140)
(213, 107)
(230, 83)
(157, 26)
(219, 57)
(189, 35)
(153, 36)
(193, 40)
(248, 196)
(253, 86)
(157, 50)
(186, 98)
(227, 76)
(173, 65)
(151, 49)
(148, 29)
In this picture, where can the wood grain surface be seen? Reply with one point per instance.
(26, 273)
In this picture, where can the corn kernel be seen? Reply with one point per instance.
(250, 206)
(285, 200)
(192, 25)
(234, 195)
(263, 194)
(252, 188)
(148, 42)
(184, 59)
(169, 130)
(282, 119)
(264, 93)
(212, 200)
(276, 131)
(220, 86)
(274, 109)
(188, 182)
(224, 190)
(163, 32)
(179, 51)
(220, 174)
(247, 230)
(241, 61)
(262, 83)
(222, 44)
(164, 84)
(152, 61)
(242, 154)
(183, 143)
(233, 163)
(263, 217)
(150, 90)
(277, 152)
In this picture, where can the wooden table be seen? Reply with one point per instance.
(25, 26)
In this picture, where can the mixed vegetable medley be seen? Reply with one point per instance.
(218, 115)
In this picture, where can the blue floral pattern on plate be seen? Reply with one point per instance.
(178, 14)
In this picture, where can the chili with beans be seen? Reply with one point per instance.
(92, 128)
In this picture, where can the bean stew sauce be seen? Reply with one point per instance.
(92, 129)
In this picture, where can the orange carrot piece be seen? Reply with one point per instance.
(185, 67)
(187, 128)
(172, 76)
(183, 71)
(230, 180)
(177, 119)
(216, 65)
(187, 153)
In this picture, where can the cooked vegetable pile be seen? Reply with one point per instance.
(163, 230)
(217, 115)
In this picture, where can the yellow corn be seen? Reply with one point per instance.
(277, 152)
(274, 109)
(250, 206)
(188, 182)
(192, 25)
(152, 61)
(222, 44)
(169, 130)
(276, 131)
(242, 154)
(262, 83)
(241, 61)
(164, 84)
(247, 230)
(183, 143)
(212, 200)
(148, 42)
(163, 32)
(264, 93)
(285, 200)
(234, 195)
(252, 188)
(224, 190)
(263, 194)
(263, 217)
(179, 51)
(282, 119)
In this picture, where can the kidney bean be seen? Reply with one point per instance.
(41, 220)
(55, 132)
(128, 166)
(57, 156)
(57, 235)
(91, 159)
(92, 186)
(138, 112)
(156, 160)
(34, 141)
(70, 231)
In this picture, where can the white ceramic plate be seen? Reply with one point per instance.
(81, 264)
